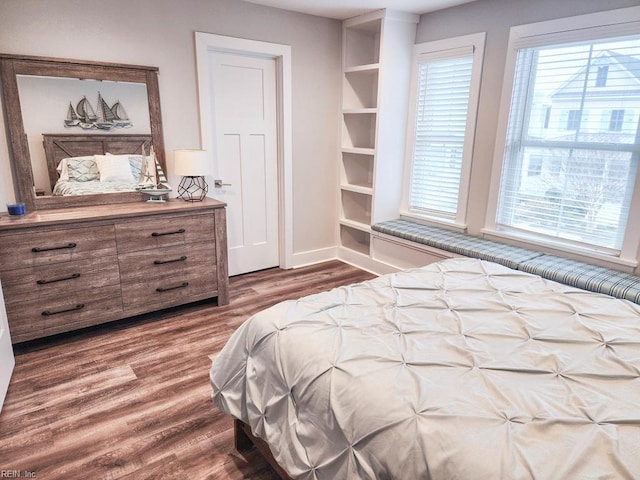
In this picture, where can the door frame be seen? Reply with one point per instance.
(207, 43)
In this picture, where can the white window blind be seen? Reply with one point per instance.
(442, 104)
(574, 114)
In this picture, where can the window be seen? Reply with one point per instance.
(601, 77)
(574, 119)
(615, 122)
(547, 117)
(568, 180)
(535, 166)
(445, 88)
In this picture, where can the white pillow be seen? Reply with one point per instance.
(135, 161)
(114, 168)
(63, 170)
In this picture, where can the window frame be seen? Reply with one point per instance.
(447, 48)
(589, 27)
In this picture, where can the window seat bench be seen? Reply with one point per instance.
(569, 272)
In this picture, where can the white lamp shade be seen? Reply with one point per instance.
(191, 163)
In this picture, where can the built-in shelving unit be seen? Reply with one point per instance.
(375, 90)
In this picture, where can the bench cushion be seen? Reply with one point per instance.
(562, 270)
(585, 276)
(455, 242)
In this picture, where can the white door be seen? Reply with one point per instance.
(6, 351)
(243, 93)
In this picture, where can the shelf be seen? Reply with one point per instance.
(355, 239)
(358, 131)
(370, 69)
(360, 89)
(356, 206)
(362, 43)
(355, 225)
(357, 170)
(358, 111)
(359, 151)
(364, 190)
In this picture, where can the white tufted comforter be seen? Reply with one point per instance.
(459, 370)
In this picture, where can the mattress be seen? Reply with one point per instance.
(91, 187)
(463, 369)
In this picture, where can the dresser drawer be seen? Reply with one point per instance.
(166, 262)
(60, 279)
(53, 315)
(164, 231)
(54, 246)
(193, 284)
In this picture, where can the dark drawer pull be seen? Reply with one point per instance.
(48, 313)
(161, 234)
(175, 287)
(46, 249)
(61, 279)
(162, 262)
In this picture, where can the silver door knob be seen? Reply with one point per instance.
(219, 184)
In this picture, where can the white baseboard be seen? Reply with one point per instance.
(365, 262)
(346, 255)
(312, 257)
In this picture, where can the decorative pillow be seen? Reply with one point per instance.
(135, 162)
(115, 168)
(63, 170)
(82, 169)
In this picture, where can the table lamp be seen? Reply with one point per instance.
(193, 165)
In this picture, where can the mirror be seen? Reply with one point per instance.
(57, 108)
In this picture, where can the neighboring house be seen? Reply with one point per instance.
(567, 156)
(610, 107)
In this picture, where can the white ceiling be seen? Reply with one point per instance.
(342, 9)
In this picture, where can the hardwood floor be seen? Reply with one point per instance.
(131, 399)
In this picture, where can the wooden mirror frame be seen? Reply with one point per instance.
(13, 65)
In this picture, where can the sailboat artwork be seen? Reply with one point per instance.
(103, 117)
(152, 180)
(72, 119)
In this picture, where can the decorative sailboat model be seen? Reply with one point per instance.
(106, 118)
(86, 114)
(121, 115)
(72, 119)
(152, 181)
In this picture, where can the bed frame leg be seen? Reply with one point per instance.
(241, 440)
(244, 440)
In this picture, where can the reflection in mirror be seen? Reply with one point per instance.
(58, 105)
(50, 91)
(96, 164)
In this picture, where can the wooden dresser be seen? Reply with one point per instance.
(72, 268)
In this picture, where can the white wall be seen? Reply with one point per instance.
(161, 33)
(496, 17)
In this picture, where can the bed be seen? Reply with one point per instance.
(72, 167)
(462, 369)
